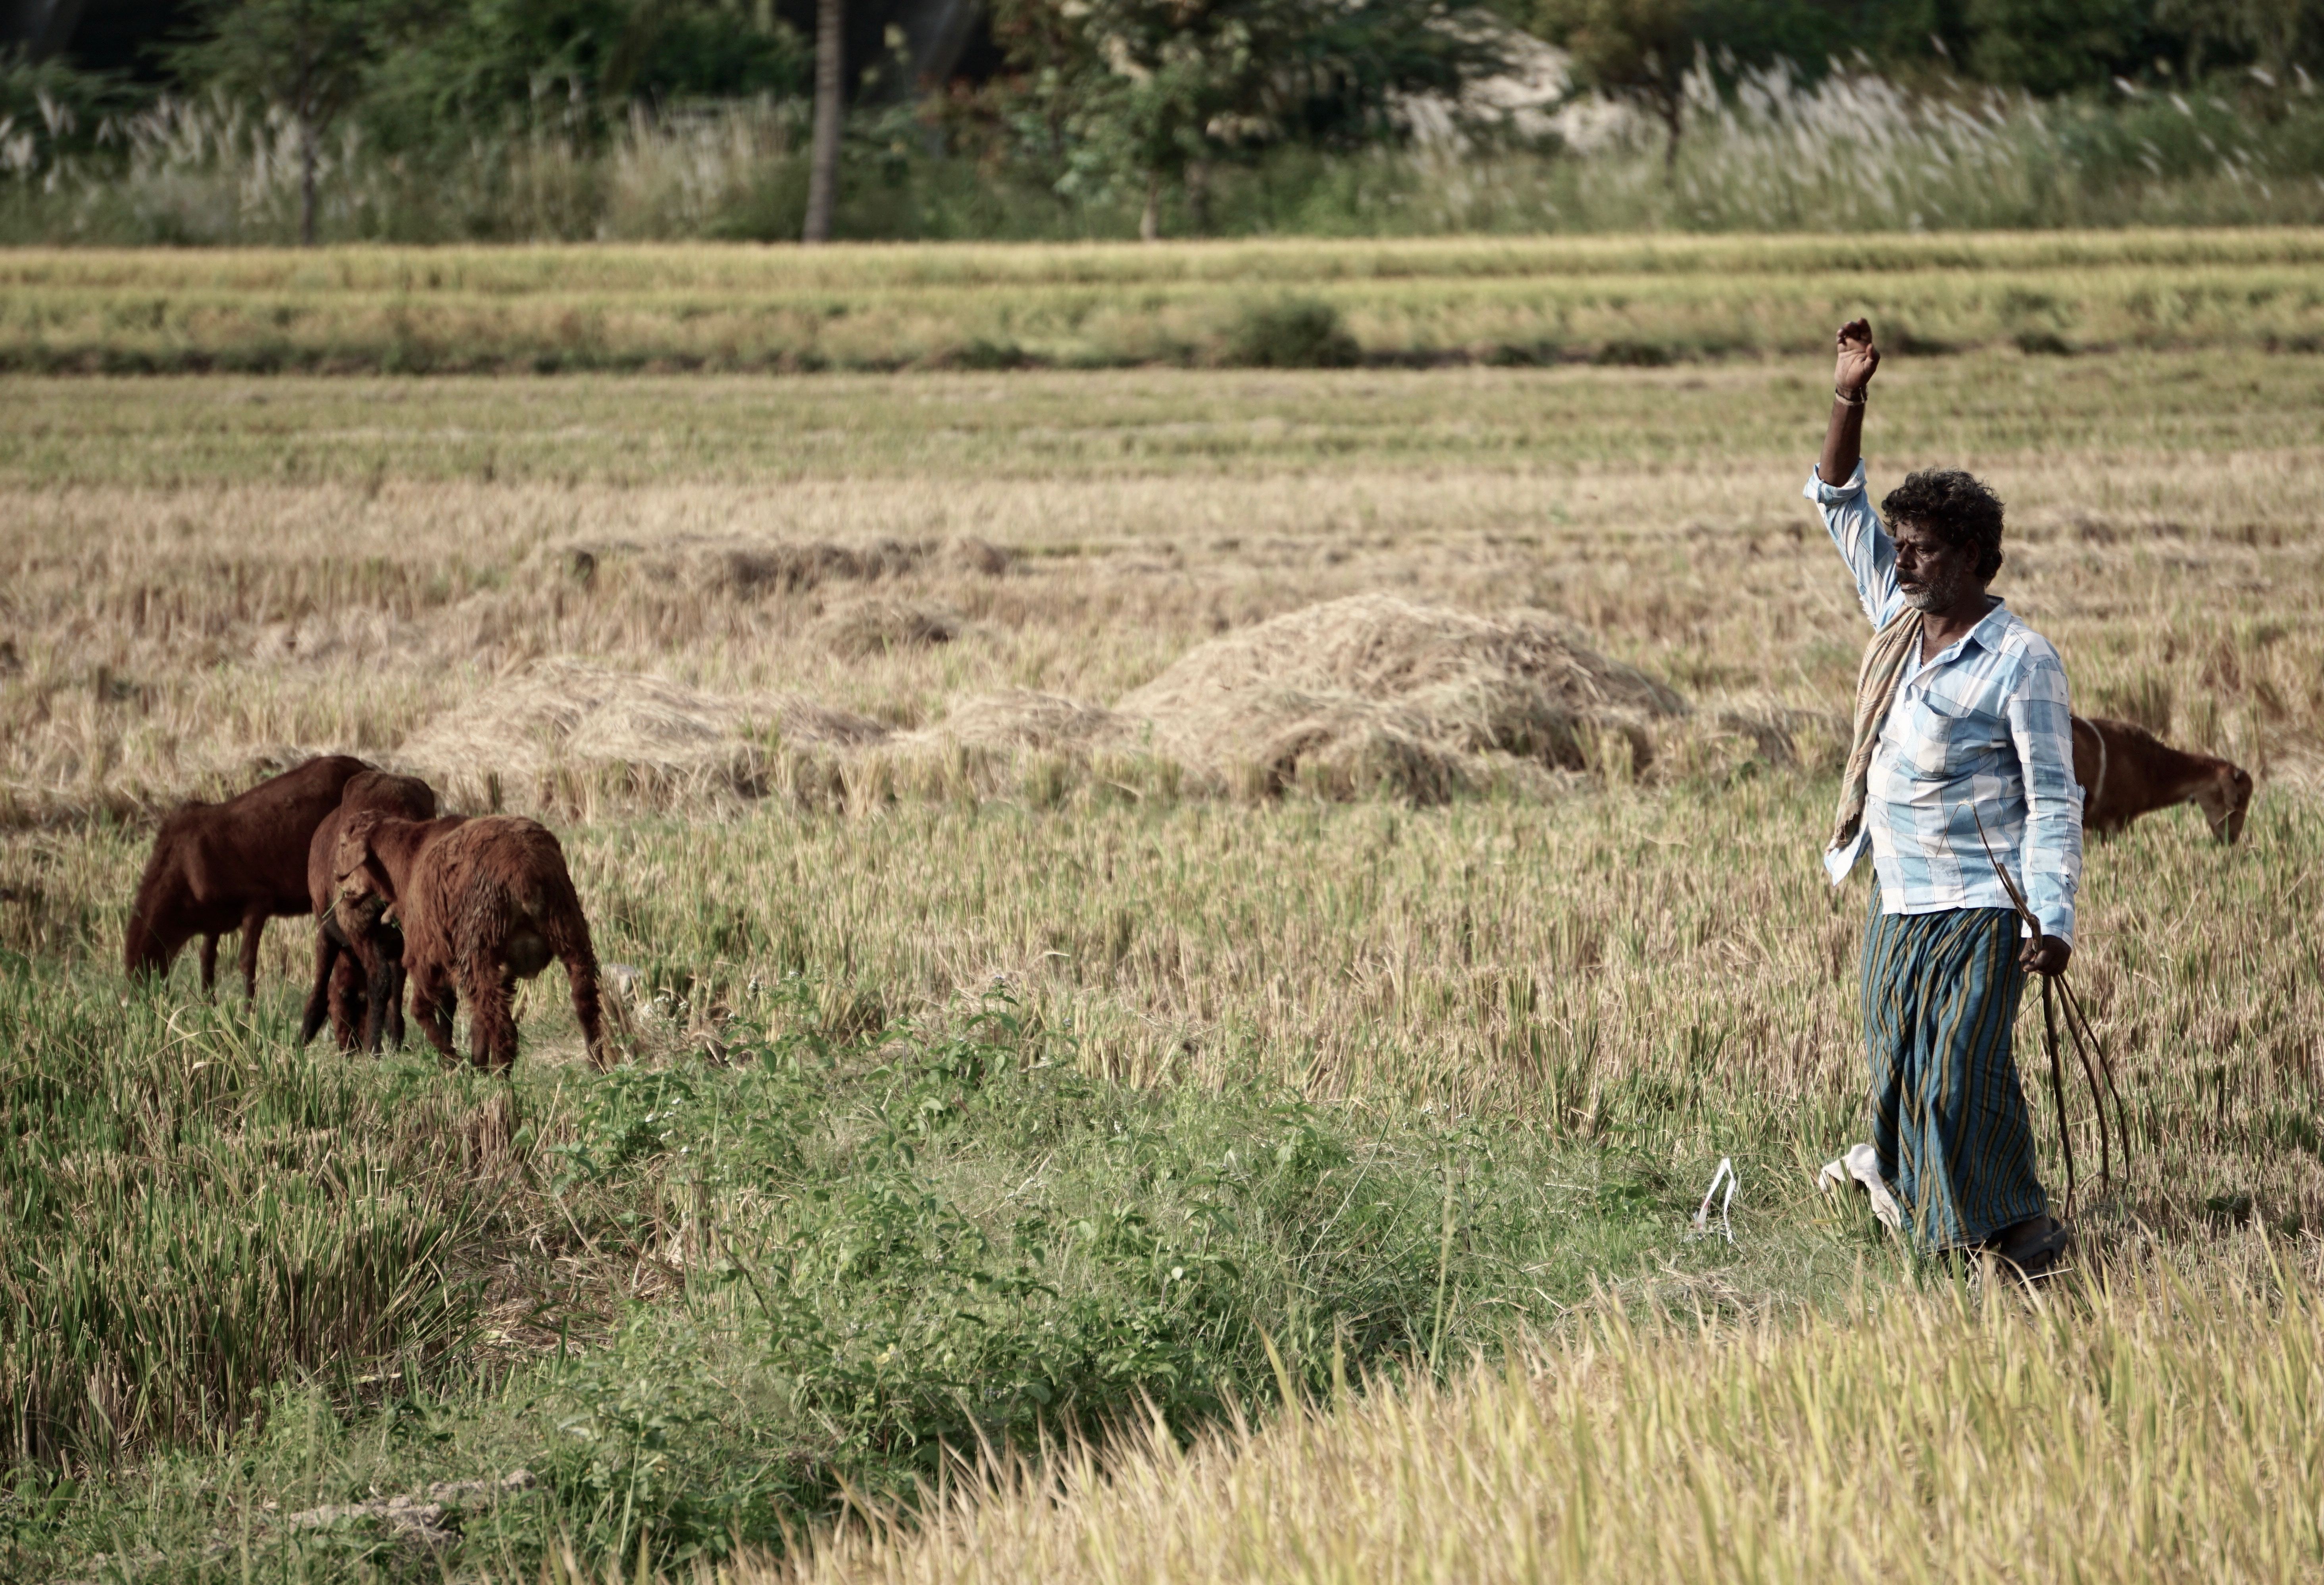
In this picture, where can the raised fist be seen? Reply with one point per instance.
(1858, 358)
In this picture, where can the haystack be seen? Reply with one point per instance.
(754, 569)
(1022, 718)
(1377, 692)
(859, 629)
(562, 714)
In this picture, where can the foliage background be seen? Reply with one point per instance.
(534, 119)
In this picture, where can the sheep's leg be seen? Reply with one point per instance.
(378, 949)
(394, 1011)
(383, 989)
(581, 977)
(254, 925)
(432, 1003)
(209, 962)
(569, 939)
(325, 993)
(350, 1007)
(491, 1025)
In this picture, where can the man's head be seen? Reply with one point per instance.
(1947, 529)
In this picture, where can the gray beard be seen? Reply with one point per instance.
(1936, 596)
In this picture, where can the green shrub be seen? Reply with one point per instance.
(1296, 333)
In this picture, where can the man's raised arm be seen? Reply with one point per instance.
(1836, 487)
(1851, 379)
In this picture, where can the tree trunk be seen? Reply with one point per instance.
(822, 159)
(1149, 219)
(307, 179)
(1673, 108)
(1198, 197)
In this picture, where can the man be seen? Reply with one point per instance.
(1960, 723)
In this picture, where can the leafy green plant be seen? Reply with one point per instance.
(1296, 333)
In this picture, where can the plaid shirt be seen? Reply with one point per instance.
(1983, 726)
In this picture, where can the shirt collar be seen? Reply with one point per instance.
(1986, 633)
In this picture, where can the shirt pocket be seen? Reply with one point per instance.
(1950, 736)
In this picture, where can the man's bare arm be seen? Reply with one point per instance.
(1843, 443)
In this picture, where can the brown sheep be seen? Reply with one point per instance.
(483, 903)
(2126, 771)
(222, 867)
(358, 962)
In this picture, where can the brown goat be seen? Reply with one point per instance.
(222, 867)
(2126, 771)
(358, 959)
(483, 903)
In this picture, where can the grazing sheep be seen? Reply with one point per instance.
(221, 867)
(358, 961)
(483, 903)
(2126, 771)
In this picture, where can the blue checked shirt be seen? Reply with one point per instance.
(1983, 726)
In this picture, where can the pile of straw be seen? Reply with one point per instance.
(560, 715)
(1023, 718)
(1375, 693)
(756, 568)
(1367, 696)
(858, 629)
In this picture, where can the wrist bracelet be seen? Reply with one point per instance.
(1845, 400)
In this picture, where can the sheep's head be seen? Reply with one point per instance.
(359, 881)
(2225, 799)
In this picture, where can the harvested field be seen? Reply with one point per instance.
(1516, 300)
(1120, 885)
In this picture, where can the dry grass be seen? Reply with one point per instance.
(1543, 299)
(2152, 1430)
(694, 624)
(595, 648)
(1377, 694)
(170, 637)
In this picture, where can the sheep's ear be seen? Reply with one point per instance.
(358, 856)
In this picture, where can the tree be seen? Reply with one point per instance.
(1150, 95)
(823, 156)
(2052, 46)
(1634, 50)
(308, 56)
(485, 61)
(2278, 36)
(1643, 50)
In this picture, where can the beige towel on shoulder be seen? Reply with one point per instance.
(1876, 681)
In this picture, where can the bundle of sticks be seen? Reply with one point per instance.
(2087, 1048)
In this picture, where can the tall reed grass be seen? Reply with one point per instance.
(1774, 152)
(1858, 153)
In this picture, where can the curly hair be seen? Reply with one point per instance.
(1955, 508)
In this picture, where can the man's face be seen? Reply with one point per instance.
(1931, 575)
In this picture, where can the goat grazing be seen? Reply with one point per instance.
(222, 867)
(2126, 771)
(358, 957)
(483, 903)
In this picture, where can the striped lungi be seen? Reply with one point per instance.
(1948, 1118)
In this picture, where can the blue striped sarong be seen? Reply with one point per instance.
(1948, 1118)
